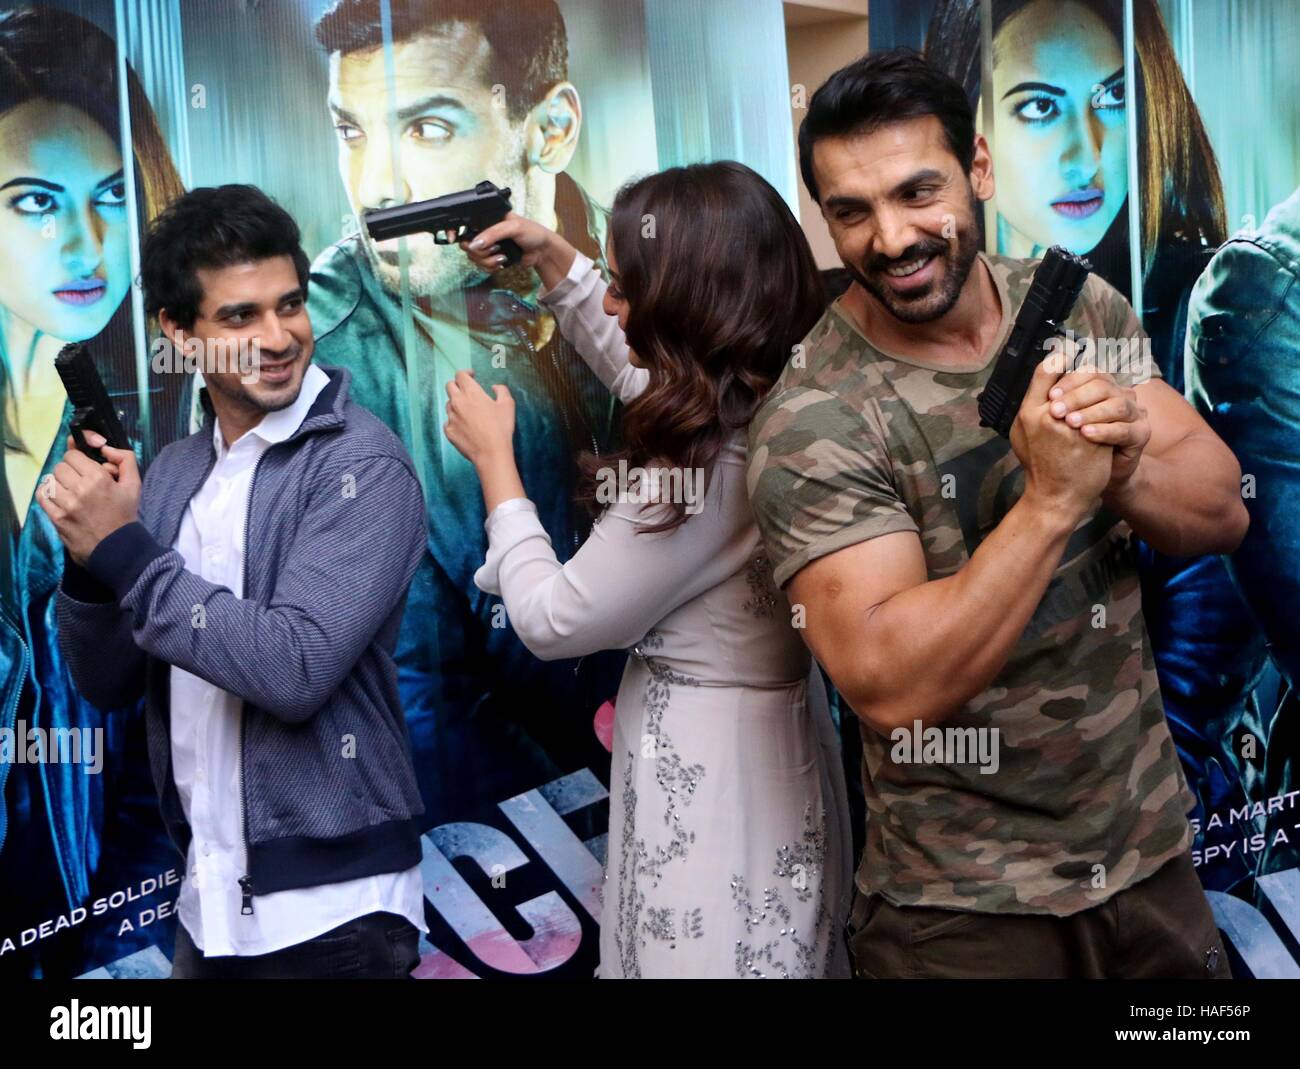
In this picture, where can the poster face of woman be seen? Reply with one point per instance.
(63, 216)
(1060, 152)
(68, 828)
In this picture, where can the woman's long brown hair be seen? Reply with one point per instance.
(721, 286)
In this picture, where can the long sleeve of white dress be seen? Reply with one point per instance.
(620, 583)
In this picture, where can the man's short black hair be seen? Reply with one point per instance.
(528, 42)
(882, 88)
(212, 227)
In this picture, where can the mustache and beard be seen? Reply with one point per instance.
(436, 272)
(439, 274)
(935, 300)
(245, 394)
(433, 270)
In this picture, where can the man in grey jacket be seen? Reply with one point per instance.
(251, 590)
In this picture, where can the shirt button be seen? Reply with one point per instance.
(207, 850)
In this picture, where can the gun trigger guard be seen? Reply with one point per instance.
(79, 436)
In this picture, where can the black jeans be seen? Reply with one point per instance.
(1161, 928)
(378, 946)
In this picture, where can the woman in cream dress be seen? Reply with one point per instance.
(728, 855)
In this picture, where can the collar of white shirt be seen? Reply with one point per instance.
(279, 425)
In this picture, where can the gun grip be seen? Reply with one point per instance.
(78, 428)
(510, 250)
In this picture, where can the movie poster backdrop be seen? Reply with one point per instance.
(108, 110)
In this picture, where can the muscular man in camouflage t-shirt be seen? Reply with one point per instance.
(976, 600)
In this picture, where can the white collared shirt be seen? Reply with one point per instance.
(205, 741)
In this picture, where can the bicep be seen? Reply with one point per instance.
(1173, 420)
(842, 590)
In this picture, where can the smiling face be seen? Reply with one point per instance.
(254, 307)
(63, 220)
(1059, 148)
(445, 130)
(902, 213)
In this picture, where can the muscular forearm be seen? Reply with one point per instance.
(934, 647)
(1186, 501)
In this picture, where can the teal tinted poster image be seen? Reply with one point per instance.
(108, 110)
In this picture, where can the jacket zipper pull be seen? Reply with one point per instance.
(246, 901)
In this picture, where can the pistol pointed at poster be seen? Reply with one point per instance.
(336, 108)
(446, 104)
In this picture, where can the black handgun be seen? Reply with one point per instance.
(456, 217)
(1056, 286)
(91, 408)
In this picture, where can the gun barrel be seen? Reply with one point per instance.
(417, 218)
(466, 210)
(92, 407)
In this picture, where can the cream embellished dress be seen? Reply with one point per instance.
(728, 848)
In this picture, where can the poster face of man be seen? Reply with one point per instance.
(440, 99)
(424, 121)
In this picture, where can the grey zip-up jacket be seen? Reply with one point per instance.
(336, 526)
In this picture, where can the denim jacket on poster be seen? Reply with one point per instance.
(1208, 649)
(1243, 375)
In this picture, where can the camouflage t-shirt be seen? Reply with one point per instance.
(1088, 796)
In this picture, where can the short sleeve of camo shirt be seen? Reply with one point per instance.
(820, 479)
